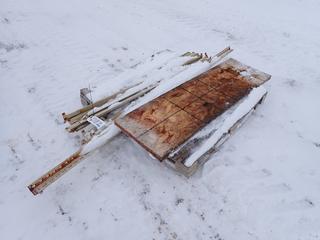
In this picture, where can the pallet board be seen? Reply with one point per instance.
(163, 124)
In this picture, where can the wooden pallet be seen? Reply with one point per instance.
(165, 123)
(177, 159)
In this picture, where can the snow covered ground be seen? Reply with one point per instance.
(263, 184)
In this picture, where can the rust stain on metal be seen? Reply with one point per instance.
(38, 185)
(184, 110)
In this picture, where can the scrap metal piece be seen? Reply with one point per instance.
(204, 57)
(193, 60)
(85, 101)
(41, 183)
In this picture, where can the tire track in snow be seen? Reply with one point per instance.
(197, 25)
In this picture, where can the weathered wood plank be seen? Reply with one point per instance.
(180, 97)
(179, 156)
(219, 100)
(234, 92)
(203, 110)
(196, 87)
(198, 102)
(213, 78)
(254, 76)
(146, 117)
(169, 134)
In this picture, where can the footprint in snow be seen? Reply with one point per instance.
(231, 148)
(10, 47)
(17, 160)
(261, 173)
(316, 144)
(5, 20)
(291, 83)
(298, 205)
(35, 143)
(261, 189)
(31, 90)
(244, 161)
(3, 61)
(179, 201)
(286, 34)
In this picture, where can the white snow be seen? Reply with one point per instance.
(244, 108)
(262, 184)
(101, 139)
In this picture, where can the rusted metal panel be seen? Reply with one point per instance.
(162, 125)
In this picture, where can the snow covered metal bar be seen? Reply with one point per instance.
(52, 175)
